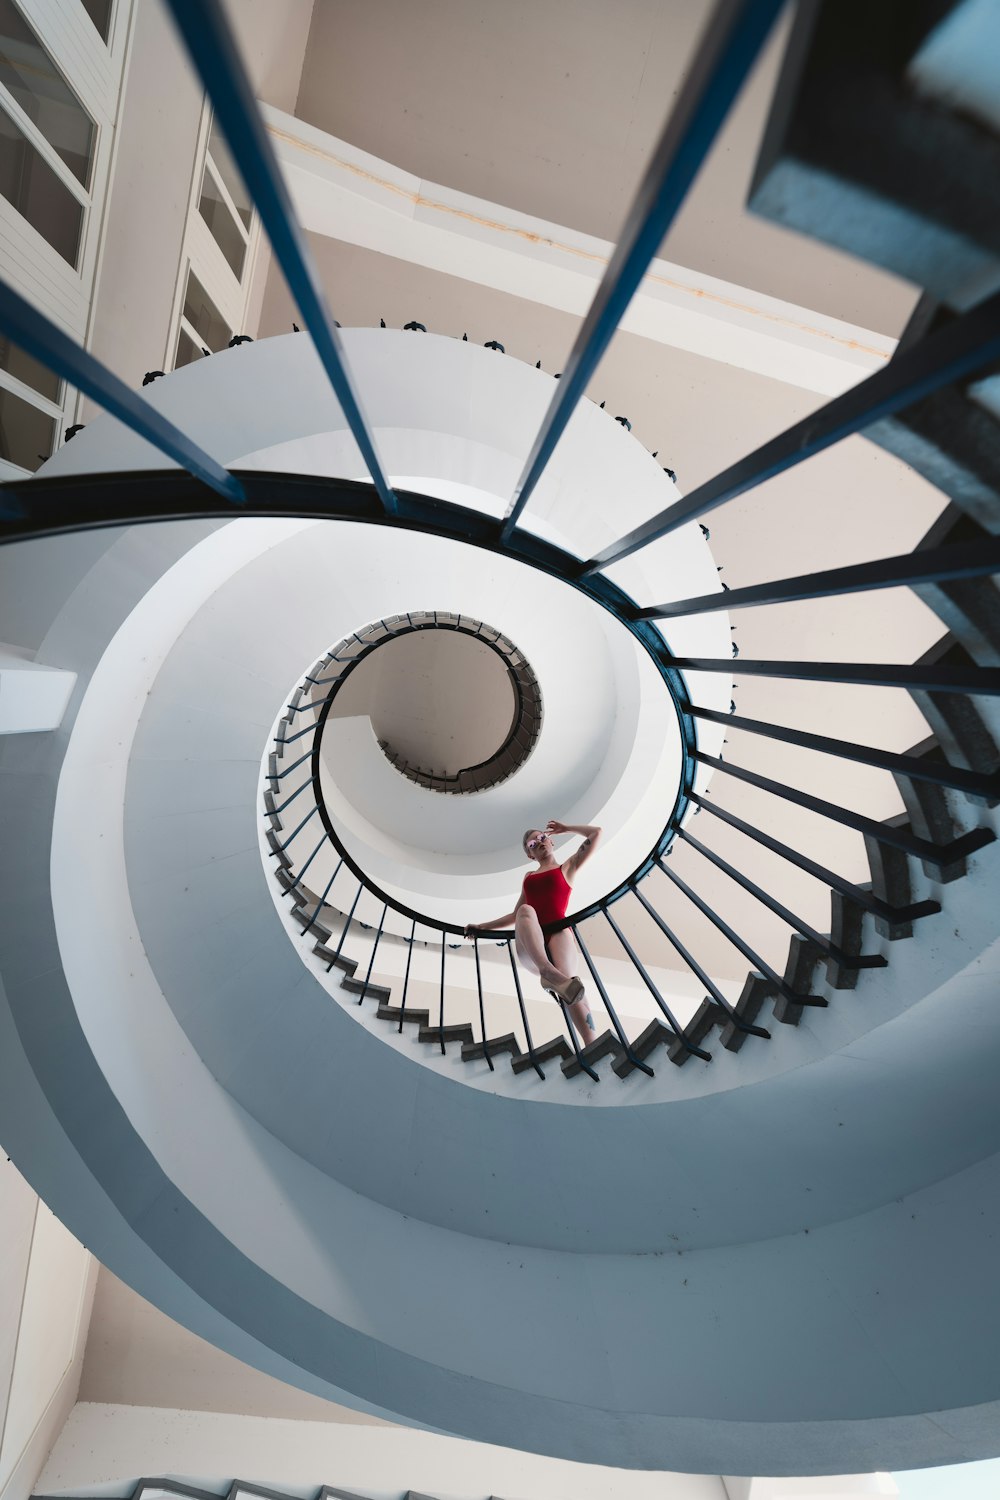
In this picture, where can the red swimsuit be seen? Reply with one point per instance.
(548, 891)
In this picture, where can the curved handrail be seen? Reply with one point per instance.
(662, 843)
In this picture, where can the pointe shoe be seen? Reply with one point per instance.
(570, 992)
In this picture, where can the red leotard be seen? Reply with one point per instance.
(548, 891)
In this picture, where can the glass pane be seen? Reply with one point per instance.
(26, 434)
(220, 221)
(187, 351)
(28, 71)
(31, 371)
(99, 12)
(30, 185)
(203, 317)
(229, 172)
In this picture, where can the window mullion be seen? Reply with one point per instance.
(227, 199)
(27, 126)
(29, 394)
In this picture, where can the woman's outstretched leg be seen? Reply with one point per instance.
(530, 943)
(564, 951)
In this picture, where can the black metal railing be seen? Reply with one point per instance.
(925, 365)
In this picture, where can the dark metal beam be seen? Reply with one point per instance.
(732, 38)
(858, 894)
(38, 336)
(970, 560)
(206, 33)
(738, 942)
(870, 961)
(936, 679)
(940, 773)
(962, 347)
(884, 833)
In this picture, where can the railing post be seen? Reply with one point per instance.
(606, 998)
(441, 1010)
(482, 1012)
(406, 977)
(524, 1013)
(371, 961)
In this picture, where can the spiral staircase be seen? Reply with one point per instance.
(247, 1056)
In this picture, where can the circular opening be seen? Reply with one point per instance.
(453, 703)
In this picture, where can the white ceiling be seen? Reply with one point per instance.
(552, 107)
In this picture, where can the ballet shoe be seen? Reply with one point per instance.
(570, 992)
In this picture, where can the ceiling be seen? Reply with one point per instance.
(552, 108)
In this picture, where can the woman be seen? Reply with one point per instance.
(544, 898)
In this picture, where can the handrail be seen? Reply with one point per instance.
(662, 841)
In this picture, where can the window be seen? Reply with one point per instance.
(229, 174)
(225, 204)
(47, 139)
(37, 192)
(215, 210)
(29, 371)
(99, 12)
(202, 325)
(27, 433)
(221, 239)
(35, 84)
(187, 350)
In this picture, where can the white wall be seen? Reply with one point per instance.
(101, 1445)
(46, 1290)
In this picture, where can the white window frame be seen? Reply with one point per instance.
(201, 254)
(93, 69)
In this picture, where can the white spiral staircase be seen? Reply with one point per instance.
(780, 1261)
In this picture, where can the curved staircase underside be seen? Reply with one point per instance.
(734, 1268)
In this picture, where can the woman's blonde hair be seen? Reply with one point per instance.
(524, 838)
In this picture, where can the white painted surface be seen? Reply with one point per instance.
(350, 195)
(33, 697)
(101, 1444)
(137, 1356)
(18, 1205)
(45, 1296)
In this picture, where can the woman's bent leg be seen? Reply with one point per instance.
(563, 949)
(530, 944)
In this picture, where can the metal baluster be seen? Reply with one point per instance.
(406, 977)
(933, 565)
(672, 1020)
(280, 775)
(524, 1014)
(739, 943)
(577, 1053)
(39, 336)
(288, 800)
(295, 832)
(858, 961)
(322, 900)
(929, 676)
(482, 1012)
(371, 961)
(699, 972)
(733, 36)
(897, 838)
(347, 925)
(216, 58)
(965, 345)
(441, 1010)
(606, 998)
(855, 893)
(913, 766)
(288, 889)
